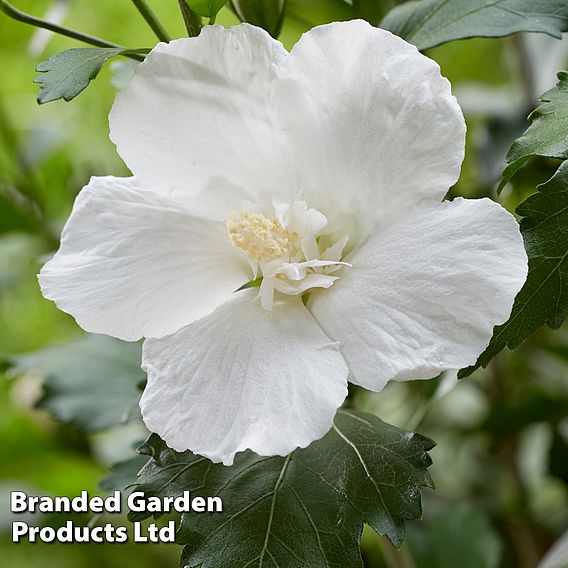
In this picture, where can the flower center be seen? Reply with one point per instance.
(260, 237)
(285, 248)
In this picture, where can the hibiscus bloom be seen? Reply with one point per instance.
(283, 232)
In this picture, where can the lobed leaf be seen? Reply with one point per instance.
(67, 73)
(427, 23)
(544, 297)
(547, 135)
(306, 509)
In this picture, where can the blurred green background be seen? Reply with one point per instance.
(501, 464)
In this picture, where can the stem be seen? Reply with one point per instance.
(191, 19)
(419, 416)
(20, 16)
(153, 21)
(525, 70)
(16, 14)
(421, 412)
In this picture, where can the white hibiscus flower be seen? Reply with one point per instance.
(319, 173)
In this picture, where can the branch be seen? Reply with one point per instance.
(20, 16)
(153, 21)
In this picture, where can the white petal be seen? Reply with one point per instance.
(196, 117)
(373, 126)
(133, 264)
(424, 295)
(335, 251)
(243, 378)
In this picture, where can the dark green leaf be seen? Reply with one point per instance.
(547, 136)
(544, 297)
(266, 14)
(123, 474)
(371, 10)
(191, 19)
(67, 73)
(507, 419)
(320, 12)
(206, 8)
(558, 455)
(13, 217)
(92, 382)
(306, 509)
(427, 23)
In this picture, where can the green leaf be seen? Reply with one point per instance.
(12, 217)
(206, 8)
(92, 382)
(428, 23)
(544, 297)
(558, 457)
(372, 10)
(306, 509)
(266, 14)
(67, 73)
(191, 19)
(123, 474)
(547, 135)
(320, 12)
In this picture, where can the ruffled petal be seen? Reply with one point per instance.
(424, 295)
(196, 117)
(133, 264)
(244, 378)
(373, 127)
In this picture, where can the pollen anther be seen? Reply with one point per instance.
(259, 236)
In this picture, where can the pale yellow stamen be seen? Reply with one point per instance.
(257, 235)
